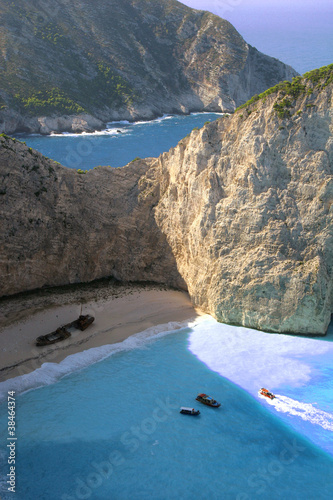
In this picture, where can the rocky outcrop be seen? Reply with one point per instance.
(239, 213)
(73, 66)
(12, 121)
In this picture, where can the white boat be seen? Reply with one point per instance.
(189, 411)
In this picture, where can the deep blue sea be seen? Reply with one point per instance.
(120, 143)
(303, 39)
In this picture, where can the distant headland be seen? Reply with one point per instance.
(70, 69)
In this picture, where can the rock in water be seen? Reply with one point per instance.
(240, 213)
(72, 66)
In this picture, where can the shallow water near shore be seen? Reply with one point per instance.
(113, 429)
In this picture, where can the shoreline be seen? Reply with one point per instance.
(89, 125)
(120, 311)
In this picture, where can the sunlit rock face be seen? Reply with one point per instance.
(246, 205)
(239, 213)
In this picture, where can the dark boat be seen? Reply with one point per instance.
(189, 411)
(52, 338)
(83, 321)
(207, 400)
(62, 333)
(266, 393)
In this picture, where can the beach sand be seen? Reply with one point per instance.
(120, 310)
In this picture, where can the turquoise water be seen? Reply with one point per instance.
(113, 431)
(298, 370)
(120, 143)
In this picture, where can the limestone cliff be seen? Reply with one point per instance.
(240, 213)
(59, 226)
(72, 66)
(247, 207)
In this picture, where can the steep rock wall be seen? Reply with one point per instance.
(59, 226)
(247, 207)
(239, 213)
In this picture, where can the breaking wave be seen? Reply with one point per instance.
(108, 131)
(50, 373)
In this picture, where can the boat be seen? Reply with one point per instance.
(189, 411)
(207, 400)
(266, 393)
(83, 321)
(62, 332)
(51, 338)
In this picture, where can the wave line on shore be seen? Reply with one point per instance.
(50, 373)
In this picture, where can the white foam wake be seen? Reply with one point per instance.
(155, 120)
(121, 122)
(306, 411)
(111, 129)
(254, 359)
(141, 122)
(49, 373)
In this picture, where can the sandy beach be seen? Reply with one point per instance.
(119, 311)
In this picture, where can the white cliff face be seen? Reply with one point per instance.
(246, 205)
(240, 213)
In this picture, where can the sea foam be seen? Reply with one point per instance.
(253, 359)
(107, 132)
(50, 373)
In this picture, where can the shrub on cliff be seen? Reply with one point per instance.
(297, 87)
(48, 102)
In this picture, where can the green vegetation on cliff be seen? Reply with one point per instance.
(288, 92)
(50, 66)
(47, 102)
(106, 87)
